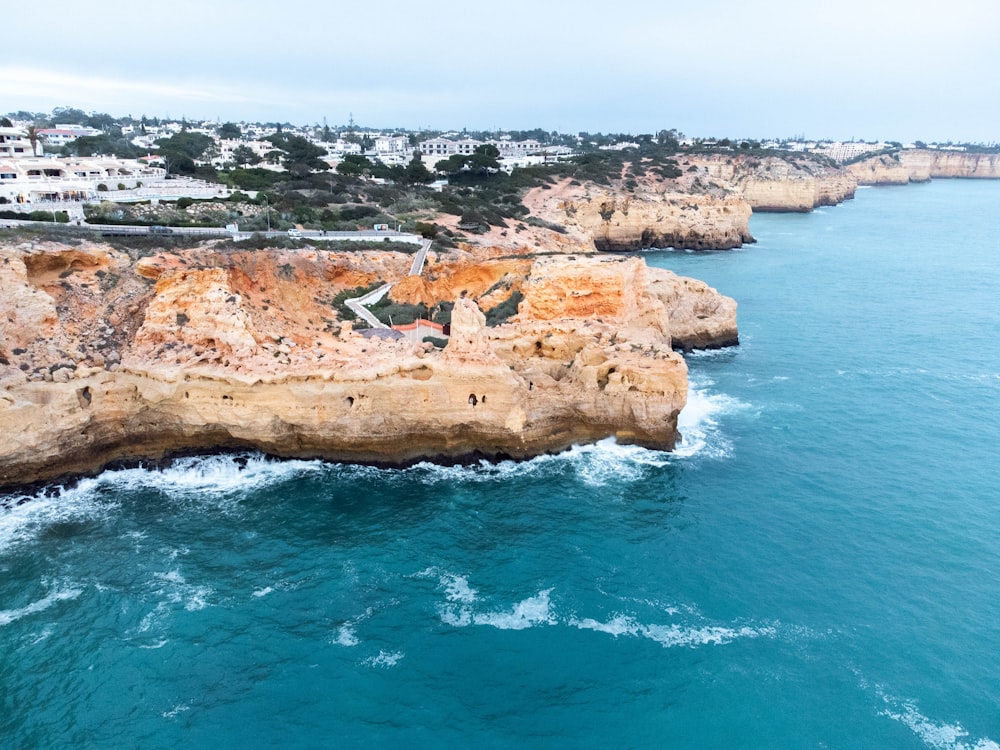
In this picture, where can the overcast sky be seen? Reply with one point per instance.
(863, 69)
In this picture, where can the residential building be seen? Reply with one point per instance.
(14, 143)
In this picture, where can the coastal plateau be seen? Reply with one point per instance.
(115, 354)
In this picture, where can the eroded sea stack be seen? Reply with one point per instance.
(103, 357)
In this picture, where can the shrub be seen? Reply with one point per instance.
(499, 314)
(426, 230)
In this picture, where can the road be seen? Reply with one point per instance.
(367, 235)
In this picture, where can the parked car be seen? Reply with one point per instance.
(293, 232)
(160, 230)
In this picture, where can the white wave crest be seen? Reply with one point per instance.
(11, 615)
(535, 610)
(674, 634)
(457, 588)
(213, 475)
(24, 517)
(937, 735)
(345, 636)
(596, 464)
(699, 426)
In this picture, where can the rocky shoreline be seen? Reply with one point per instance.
(107, 358)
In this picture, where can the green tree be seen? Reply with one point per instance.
(89, 145)
(186, 143)
(300, 156)
(230, 131)
(244, 155)
(5, 122)
(355, 164)
(482, 162)
(416, 172)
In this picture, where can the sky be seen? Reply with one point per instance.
(855, 69)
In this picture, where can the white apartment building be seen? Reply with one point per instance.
(60, 135)
(442, 147)
(35, 179)
(14, 143)
(393, 144)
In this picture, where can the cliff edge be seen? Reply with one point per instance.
(106, 356)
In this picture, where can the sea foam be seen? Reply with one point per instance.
(11, 615)
(937, 735)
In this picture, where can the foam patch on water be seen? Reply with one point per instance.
(345, 636)
(596, 464)
(346, 633)
(698, 423)
(174, 593)
(672, 635)
(457, 589)
(12, 615)
(934, 734)
(24, 517)
(220, 475)
(460, 611)
(175, 711)
(228, 477)
(385, 659)
(535, 610)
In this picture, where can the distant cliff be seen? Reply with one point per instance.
(779, 184)
(920, 165)
(657, 214)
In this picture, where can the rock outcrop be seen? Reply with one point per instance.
(921, 165)
(774, 184)
(104, 358)
(648, 217)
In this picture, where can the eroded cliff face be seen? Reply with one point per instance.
(653, 216)
(780, 184)
(920, 165)
(104, 358)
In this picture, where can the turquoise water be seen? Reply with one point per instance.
(817, 566)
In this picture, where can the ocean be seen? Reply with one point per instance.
(816, 566)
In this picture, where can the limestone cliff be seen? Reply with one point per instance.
(920, 165)
(653, 216)
(779, 184)
(105, 358)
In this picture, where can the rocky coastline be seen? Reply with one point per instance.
(105, 356)
(921, 165)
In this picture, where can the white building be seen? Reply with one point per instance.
(60, 135)
(443, 147)
(30, 179)
(14, 143)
